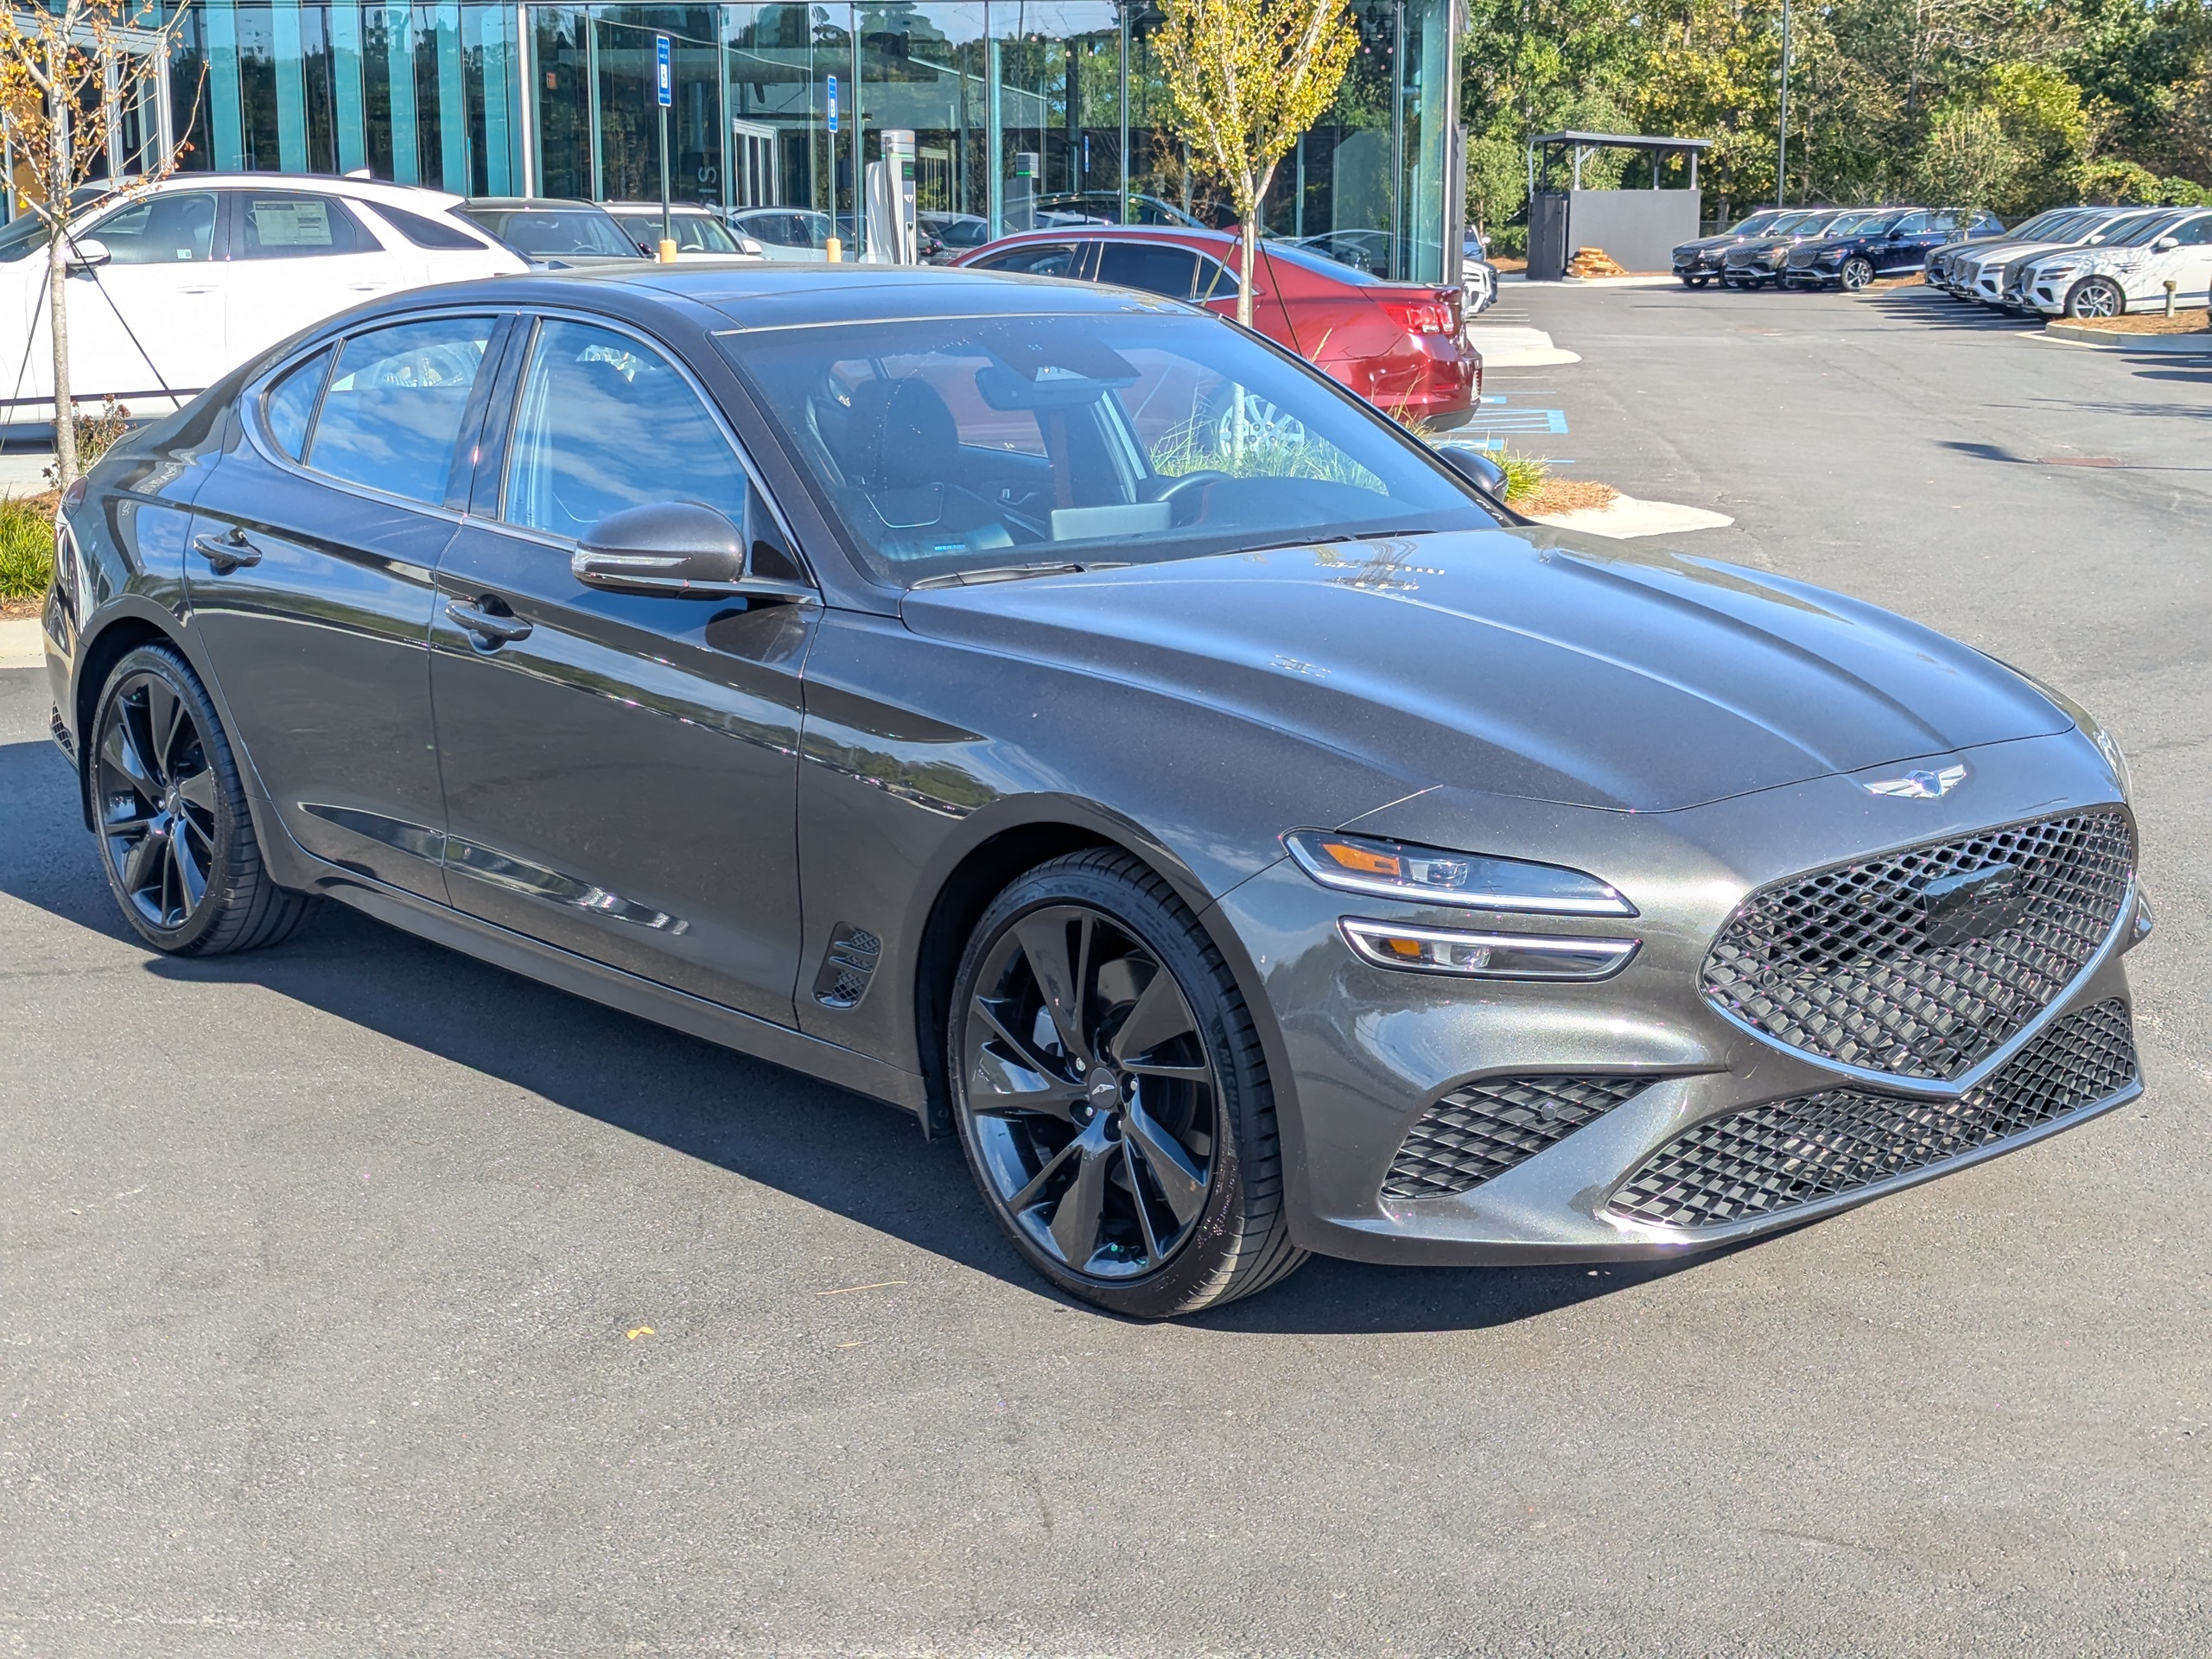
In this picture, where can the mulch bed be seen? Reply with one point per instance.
(2149, 322)
(1558, 495)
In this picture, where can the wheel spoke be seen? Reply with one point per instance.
(199, 791)
(1144, 1210)
(1081, 1212)
(164, 718)
(1035, 1189)
(1159, 1015)
(1056, 1093)
(144, 867)
(1044, 939)
(999, 1087)
(191, 879)
(1180, 1182)
(119, 749)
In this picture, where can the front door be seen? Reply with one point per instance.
(620, 769)
(148, 326)
(314, 540)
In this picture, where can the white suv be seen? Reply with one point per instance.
(175, 283)
(2128, 274)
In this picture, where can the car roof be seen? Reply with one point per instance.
(368, 190)
(655, 207)
(1182, 235)
(518, 204)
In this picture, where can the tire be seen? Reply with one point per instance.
(2095, 296)
(1856, 274)
(1697, 281)
(1144, 1180)
(175, 839)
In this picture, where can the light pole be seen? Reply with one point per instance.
(1782, 144)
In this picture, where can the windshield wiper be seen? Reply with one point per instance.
(1001, 573)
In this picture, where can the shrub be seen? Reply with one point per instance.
(26, 547)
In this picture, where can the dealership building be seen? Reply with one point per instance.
(784, 105)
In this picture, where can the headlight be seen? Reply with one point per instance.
(1776, 256)
(1428, 875)
(1485, 956)
(1830, 256)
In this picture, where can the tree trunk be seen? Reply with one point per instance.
(65, 413)
(1249, 237)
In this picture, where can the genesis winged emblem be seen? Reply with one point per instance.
(1921, 785)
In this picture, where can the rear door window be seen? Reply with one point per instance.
(289, 406)
(1155, 267)
(392, 416)
(288, 225)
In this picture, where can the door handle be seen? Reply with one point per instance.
(225, 554)
(492, 632)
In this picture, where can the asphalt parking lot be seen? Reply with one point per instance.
(355, 1298)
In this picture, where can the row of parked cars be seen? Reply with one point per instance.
(2086, 262)
(173, 282)
(2073, 262)
(1825, 247)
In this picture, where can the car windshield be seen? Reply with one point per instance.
(1835, 224)
(694, 232)
(2144, 232)
(555, 232)
(955, 446)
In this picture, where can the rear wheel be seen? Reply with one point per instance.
(1855, 274)
(176, 840)
(1111, 1094)
(2095, 296)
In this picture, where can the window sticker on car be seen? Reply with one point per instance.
(294, 222)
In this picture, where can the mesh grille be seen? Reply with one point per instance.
(1487, 1128)
(1792, 1152)
(1923, 962)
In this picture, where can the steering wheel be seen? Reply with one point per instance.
(1191, 481)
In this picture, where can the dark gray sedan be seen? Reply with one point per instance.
(1066, 717)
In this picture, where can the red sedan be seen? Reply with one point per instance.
(1396, 344)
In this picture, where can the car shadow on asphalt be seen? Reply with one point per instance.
(819, 1143)
(1936, 310)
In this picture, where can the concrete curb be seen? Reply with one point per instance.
(2105, 339)
(22, 643)
(1624, 517)
(1655, 279)
(1509, 346)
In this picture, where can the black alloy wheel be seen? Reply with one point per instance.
(1857, 274)
(178, 845)
(1111, 1096)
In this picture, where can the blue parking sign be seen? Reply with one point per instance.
(833, 103)
(665, 86)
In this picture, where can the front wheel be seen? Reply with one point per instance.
(2095, 296)
(1111, 1094)
(1856, 274)
(175, 839)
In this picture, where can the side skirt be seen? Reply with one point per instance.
(631, 994)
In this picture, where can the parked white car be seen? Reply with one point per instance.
(1986, 275)
(181, 281)
(2127, 274)
(794, 233)
(698, 232)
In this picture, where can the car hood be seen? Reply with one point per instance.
(1528, 662)
(1723, 240)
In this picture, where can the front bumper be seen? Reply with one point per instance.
(1367, 1051)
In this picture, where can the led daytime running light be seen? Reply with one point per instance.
(1485, 956)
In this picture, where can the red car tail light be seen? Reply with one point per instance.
(1430, 314)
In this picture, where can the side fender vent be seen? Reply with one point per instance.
(847, 967)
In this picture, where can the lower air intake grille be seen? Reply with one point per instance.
(1487, 1128)
(1792, 1152)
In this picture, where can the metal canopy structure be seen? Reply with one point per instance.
(1545, 150)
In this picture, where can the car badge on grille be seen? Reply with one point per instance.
(1974, 904)
(1921, 785)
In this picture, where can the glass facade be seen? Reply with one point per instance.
(1012, 102)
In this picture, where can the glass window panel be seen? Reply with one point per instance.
(924, 70)
(559, 58)
(393, 412)
(1060, 69)
(780, 60)
(1038, 259)
(605, 423)
(289, 404)
(1157, 268)
(260, 146)
(285, 226)
(191, 89)
(160, 230)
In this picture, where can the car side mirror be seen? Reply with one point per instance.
(683, 549)
(2166, 244)
(88, 253)
(746, 244)
(1478, 469)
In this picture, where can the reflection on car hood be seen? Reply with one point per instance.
(1533, 664)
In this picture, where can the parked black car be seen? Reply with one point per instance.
(1698, 262)
(1886, 243)
(1759, 259)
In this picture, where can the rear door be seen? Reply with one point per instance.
(620, 770)
(298, 256)
(314, 543)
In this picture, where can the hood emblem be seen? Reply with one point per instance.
(1921, 785)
